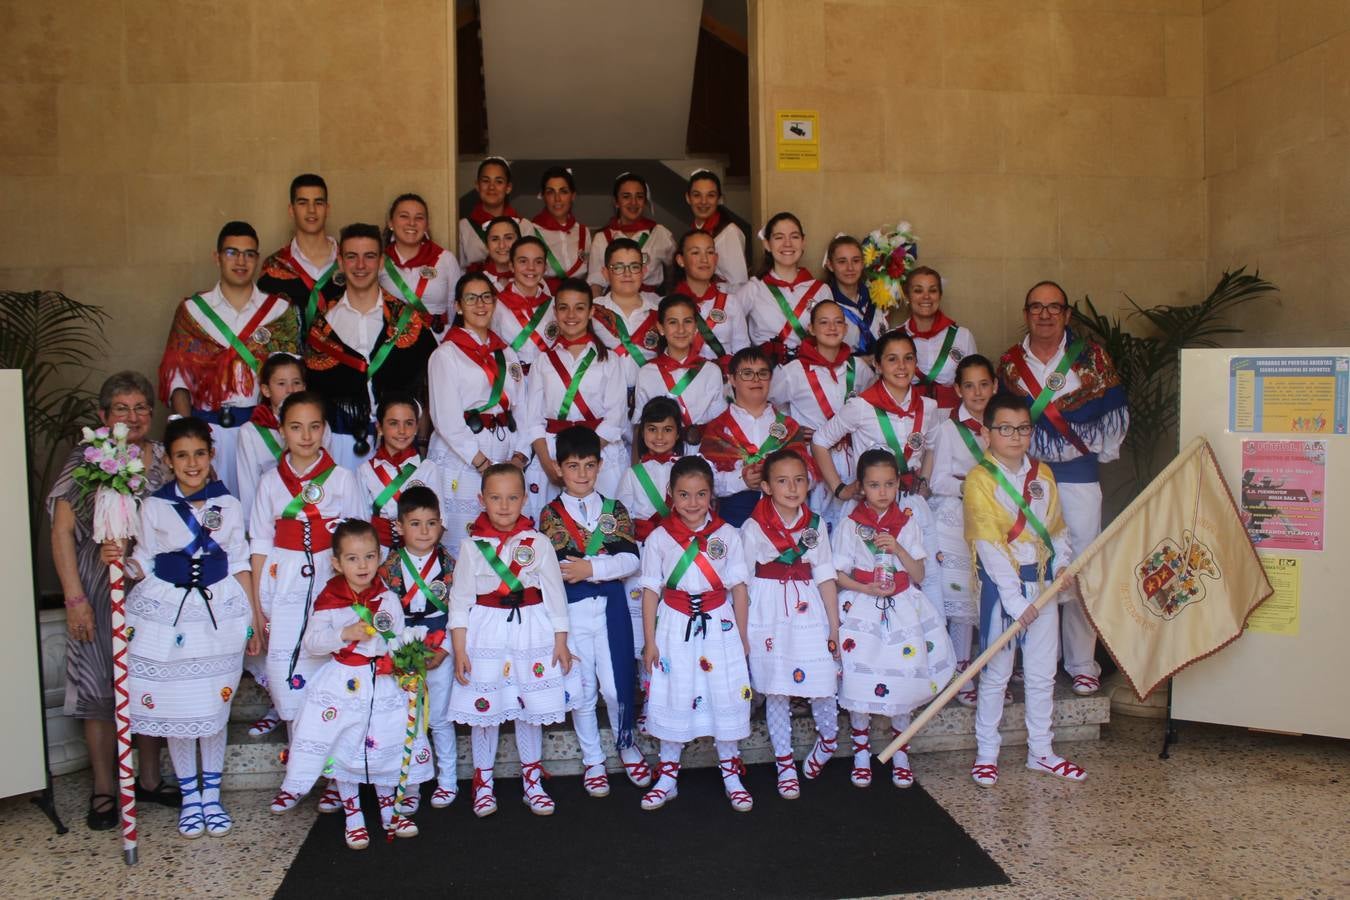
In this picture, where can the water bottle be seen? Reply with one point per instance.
(883, 573)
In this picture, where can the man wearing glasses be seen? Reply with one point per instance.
(219, 340)
(1080, 413)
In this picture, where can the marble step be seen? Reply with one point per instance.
(255, 763)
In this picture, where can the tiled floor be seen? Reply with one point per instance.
(1230, 814)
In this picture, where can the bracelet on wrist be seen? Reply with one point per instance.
(77, 600)
(838, 488)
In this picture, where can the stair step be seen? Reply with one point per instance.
(255, 763)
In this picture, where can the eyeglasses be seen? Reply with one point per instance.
(1010, 430)
(476, 299)
(1040, 309)
(236, 253)
(620, 268)
(139, 410)
(754, 374)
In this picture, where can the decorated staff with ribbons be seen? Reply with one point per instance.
(305, 271)
(721, 317)
(578, 381)
(704, 196)
(1019, 541)
(298, 505)
(218, 342)
(890, 415)
(395, 466)
(365, 343)
(939, 342)
(477, 389)
(738, 440)
(353, 721)
(793, 621)
(416, 269)
(778, 301)
(813, 388)
(1081, 414)
(566, 241)
(625, 315)
(493, 184)
(189, 620)
(958, 447)
(592, 535)
(679, 373)
(420, 573)
(508, 626)
(93, 693)
(654, 242)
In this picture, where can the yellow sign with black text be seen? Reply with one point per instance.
(798, 140)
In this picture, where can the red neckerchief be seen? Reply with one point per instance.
(669, 365)
(483, 527)
(480, 216)
(684, 290)
(809, 354)
(683, 535)
(659, 457)
(295, 483)
(544, 219)
(878, 396)
(637, 336)
(771, 523)
(398, 459)
(566, 377)
(265, 417)
(489, 268)
(969, 423)
(710, 226)
(581, 340)
(427, 255)
(726, 427)
(338, 594)
(891, 521)
(480, 354)
(522, 308)
(940, 324)
(801, 277)
(640, 224)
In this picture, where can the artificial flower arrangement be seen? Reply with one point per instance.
(889, 255)
(114, 469)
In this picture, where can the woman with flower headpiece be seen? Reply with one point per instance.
(655, 242)
(566, 240)
(939, 342)
(126, 399)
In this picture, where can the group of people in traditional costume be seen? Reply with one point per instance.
(587, 464)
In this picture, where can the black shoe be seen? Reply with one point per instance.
(163, 794)
(102, 819)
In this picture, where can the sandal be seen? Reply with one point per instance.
(102, 819)
(163, 794)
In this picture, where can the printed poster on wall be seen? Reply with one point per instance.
(1280, 613)
(798, 140)
(1299, 394)
(1284, 494)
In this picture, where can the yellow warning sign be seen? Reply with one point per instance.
(798, 140)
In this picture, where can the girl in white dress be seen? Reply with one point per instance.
(189, 622)
(643, 487)
(694, 613)
(568, 240)
(794, 615)
(298, 506)
(493, 184)
(477, 390)
(577, 381)
(704, 196)
(844, 263)
(939, 342)
(508, 627)
(722, 331)
(395, 466)
(778, 300)
(957, 448)
(655, 242)
(416, 269)
(680, 373)
(813, 387)
(355, 716)
(893, 643)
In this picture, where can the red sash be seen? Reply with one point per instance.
(482, 355)
(1021, 522)
(293, 529)
(683, 535)
(426, 257)
(879, 397)
(578, 401)
(667, 365)
(802, 304)
(1052, 413)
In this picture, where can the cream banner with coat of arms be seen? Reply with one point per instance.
(1174, 577)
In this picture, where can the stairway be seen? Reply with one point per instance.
(255, 764)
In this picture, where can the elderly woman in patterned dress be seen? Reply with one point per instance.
(125, 397)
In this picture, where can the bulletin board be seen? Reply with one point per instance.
(1277, 420)
(24, 768)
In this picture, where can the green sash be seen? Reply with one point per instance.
(498, 383)
(422, 586)
(566, 406)
(1016, 495)
(626, 339)
(266, 434)
(682, 565)
(503, 571)
(788, 314)
(408, 293)
(231, 338)
(649, 488)
(941, 360)
(529, 328)
(298, 501)
(792, 554)
(1046, 395)
(312, 306)
(382, 352)
(597, 538)
(892, 440)
(365, 615)
(971, 444)
(394, 486)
